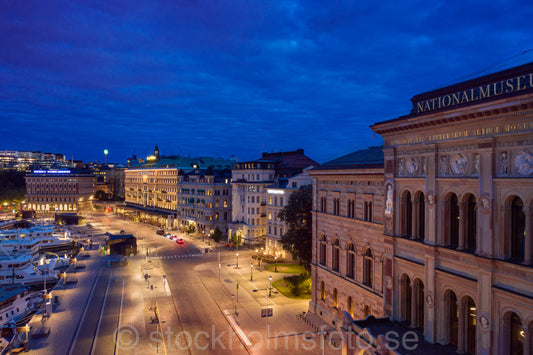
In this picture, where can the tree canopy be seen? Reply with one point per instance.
(298, 218)
(12, 185)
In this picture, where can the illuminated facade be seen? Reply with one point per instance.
(204, 200)
(277, 197)
(22, 160)
(59, 190)
(152, 188)
(249, 182)
(349, 247)
(457, 218)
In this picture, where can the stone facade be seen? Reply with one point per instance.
(457, 189)
(278, 195)
(59, 190)
(349, 248)
(204, 200)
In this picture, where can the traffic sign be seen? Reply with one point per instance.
(266, 312)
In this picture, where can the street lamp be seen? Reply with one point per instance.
(270, 287)
(276, 263)
(251, 271)
(237, 266)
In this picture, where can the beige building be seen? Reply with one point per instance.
(151, 187)
(249, 182)
(59, 190)
(350, 251)
(457, 220)
(204, 200)
(278, 195)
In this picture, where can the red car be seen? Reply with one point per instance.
(180, 241)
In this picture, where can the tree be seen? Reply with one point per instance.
(236, 239)
(217, 235)
(298, 218)
(100, 195)
(190, 229)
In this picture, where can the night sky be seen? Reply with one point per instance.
(222, 77)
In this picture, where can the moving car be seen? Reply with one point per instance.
(180, 241)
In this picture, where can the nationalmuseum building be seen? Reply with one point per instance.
(436, 239)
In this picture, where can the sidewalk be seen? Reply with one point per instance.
(65, 315)
(283, 333)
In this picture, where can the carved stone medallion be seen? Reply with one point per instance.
(412, 166)
(524, 162)
(458, 164)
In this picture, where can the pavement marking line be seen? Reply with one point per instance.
(93, 345)
(83, 315)
(237, 329)
(119, 316)
(167, 288)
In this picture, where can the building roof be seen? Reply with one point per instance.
(185, 163)
(6, 292)
(360, 159)
(506, 83)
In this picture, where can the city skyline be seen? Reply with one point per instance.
(238, 78)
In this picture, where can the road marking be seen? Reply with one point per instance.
(237, 329)
(93, 345)
(166, 287)
(119, 316)
(83, 315)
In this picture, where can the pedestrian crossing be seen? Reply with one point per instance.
(177, 256)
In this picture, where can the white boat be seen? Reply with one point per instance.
(44, 233)
(17, 303)
(21, 270)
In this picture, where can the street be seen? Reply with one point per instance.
(177, 299)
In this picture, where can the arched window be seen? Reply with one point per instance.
(407, 213)
(405, 298)
(350, 261)
(322, 291)
(323, 251)
(453, 222)
(366, 311)
(471, 314)
(421, 217)
(335, 298)
(516, 340)
(367, 267)
(452, 318)
(470, 223)
(336, 254)
(350, 305)
(518, 224)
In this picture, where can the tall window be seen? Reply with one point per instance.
(336, 254)
(367, 267)
(336, 206)
(453, 317)
(335, 298)
(518, 224)
(350, 305)
(405, 298)
(470, 326)
(350, 261)
(323, 251)
(470, 224)
(323, 204)
(407, 215)
(322, 291)
(516, 340)
(351, 208)
(453, 222)
(421, 217)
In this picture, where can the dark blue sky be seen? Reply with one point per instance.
(219, 77)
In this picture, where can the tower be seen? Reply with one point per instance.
(156, 152)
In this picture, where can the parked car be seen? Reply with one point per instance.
(160, 232)
(180, 241)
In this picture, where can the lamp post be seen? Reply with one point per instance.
(276, 263)
(251, 271)
(237, 265)
(270, 287)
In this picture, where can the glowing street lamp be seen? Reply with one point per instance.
(237, 265)
(106, 152)
(251, 271)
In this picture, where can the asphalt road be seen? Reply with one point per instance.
(197, 326)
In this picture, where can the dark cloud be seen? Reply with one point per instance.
(234, 77)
